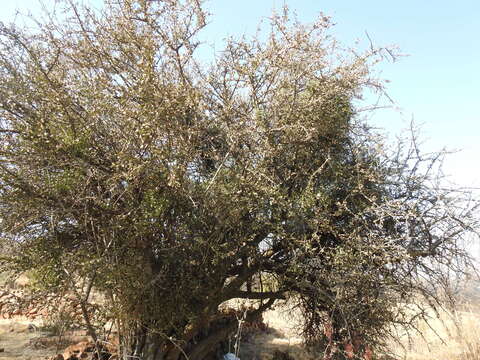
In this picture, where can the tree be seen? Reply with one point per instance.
(171, 186)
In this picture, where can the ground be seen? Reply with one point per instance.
(16, 337)
(23, 338)
(450, 335)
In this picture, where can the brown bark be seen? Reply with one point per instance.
(203, 348)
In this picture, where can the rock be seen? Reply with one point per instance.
(22, 281)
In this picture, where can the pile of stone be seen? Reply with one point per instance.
(22, 303)
(15, 303)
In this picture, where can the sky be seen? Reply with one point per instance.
(436, 85)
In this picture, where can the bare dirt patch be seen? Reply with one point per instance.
(281, 337)
(17, 337)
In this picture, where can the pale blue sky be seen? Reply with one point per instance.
(437, 84)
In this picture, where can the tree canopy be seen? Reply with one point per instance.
(171, 185)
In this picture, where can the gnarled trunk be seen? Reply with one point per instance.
(153, 347)
(201, 341)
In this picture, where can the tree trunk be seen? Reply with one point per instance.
(195, 345)
(153, 348)
(146, 347)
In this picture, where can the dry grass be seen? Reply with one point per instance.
(449, 335)
(452, 335)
